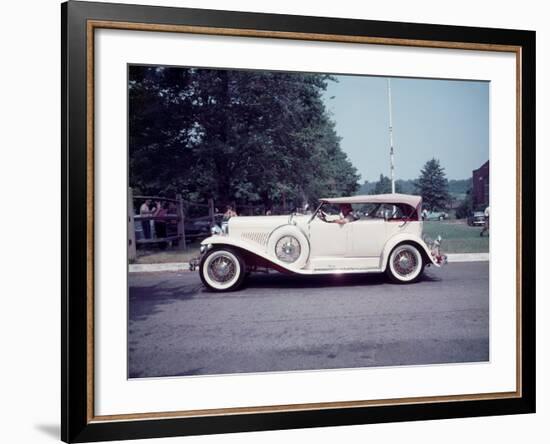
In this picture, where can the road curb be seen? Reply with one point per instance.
(468, 257)
(148, 268)
(184, 266)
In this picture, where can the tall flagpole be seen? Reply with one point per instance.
(392, 173)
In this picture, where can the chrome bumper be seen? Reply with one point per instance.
(194, 263)
(438, 257)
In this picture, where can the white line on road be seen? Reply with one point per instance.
(184, 266)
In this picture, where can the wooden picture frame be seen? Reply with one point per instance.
(79, 22)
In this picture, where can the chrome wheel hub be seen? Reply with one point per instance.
(288, 249)
(222, 269)
(405, 262)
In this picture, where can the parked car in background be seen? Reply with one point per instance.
(476, 219)
(358, 234)
(436, 215)
(200, 227)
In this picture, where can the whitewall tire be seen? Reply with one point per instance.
(405, 264)
(222, 270)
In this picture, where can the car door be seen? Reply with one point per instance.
(328, 239)
(367, 238)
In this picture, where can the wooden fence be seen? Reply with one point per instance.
(177, 226)
(173, 222)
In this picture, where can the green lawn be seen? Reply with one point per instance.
(458, 237)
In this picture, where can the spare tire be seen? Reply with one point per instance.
(289, 245)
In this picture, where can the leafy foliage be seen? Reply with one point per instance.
(383, 186)
(460, 186)
(466, 206)
(408, 186)
(250, 137)
(433, 186)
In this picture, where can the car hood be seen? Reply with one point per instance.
(265, 222)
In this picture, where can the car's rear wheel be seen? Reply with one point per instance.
(405, 264)
(222, 270)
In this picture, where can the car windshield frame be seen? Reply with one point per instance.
(406, 218)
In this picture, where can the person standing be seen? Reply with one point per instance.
(161, 211)
(229, 213)
(145, 211)
(487, 213)
(424, 214)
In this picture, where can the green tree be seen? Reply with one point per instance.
(253, 137)
(432, 185)
(466, 206)
(383, 186)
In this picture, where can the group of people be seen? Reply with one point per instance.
(346, 214)
(160, 209)
(149, 210)
(153, 212)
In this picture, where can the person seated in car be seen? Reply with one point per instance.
(346, 214)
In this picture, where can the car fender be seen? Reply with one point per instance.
(220, 241)
(401, 238)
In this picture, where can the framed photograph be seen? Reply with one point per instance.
(276, 222)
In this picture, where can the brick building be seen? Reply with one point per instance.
(480, 186)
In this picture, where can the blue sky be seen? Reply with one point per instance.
(445, 119)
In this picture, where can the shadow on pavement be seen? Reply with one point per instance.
(298, 281)
(145, 301)
(329, 280)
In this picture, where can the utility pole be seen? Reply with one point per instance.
(392, 174)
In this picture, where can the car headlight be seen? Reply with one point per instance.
(215, 230)
(428, 240)
(202, 249)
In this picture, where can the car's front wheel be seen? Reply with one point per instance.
(222, 270)
(405, 264)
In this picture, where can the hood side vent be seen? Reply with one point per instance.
(258, 237)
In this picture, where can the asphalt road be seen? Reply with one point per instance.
(281, 323)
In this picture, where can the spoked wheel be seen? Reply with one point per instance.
(405, 264)
(222, 270)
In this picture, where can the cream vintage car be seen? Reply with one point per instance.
(381, 233)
